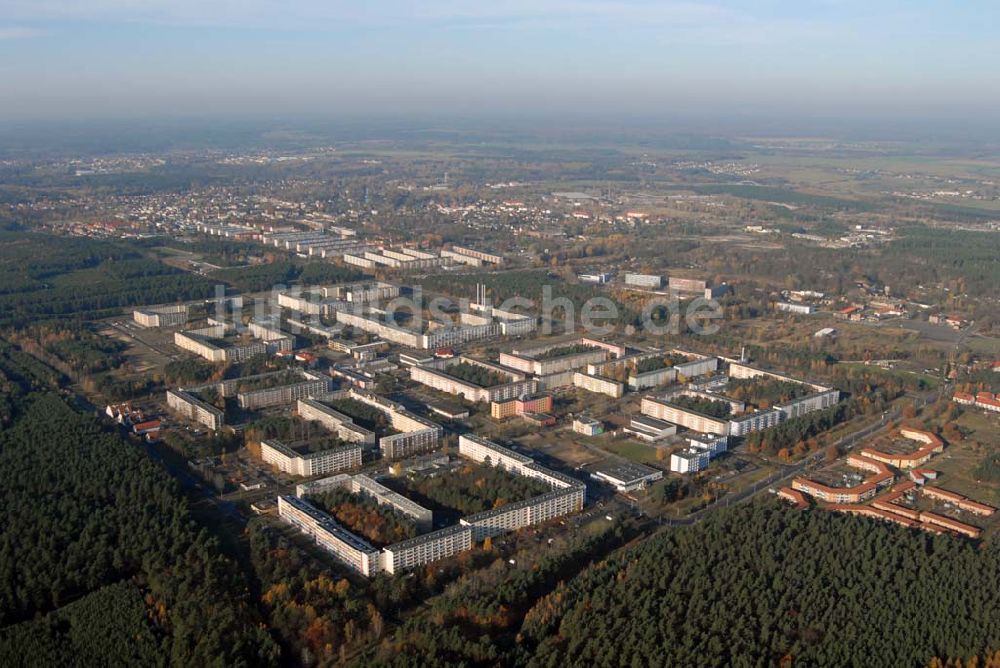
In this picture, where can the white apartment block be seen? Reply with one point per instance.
(338, 423)
(195, 409)
(417, 434)
(529, 512)
(427, 548)
(365, 486)
(161, 316)
(689, 461)
(492, 258)
(199, 342)
(654, 281)
(663, 410)
(345, 546)
(598, 384)
(435, 375)
(285, 459)
(791, 307)
(313, 385)
(746, 424)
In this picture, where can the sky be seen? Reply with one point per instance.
(830, 58)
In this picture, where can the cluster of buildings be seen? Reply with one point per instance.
(331, 242)
(435, 374)
(481, 321)
(702, 449)
(679, 286)
(566, 496)
(896, 505)
(738, 425)
(984, 400)
(275, 388)
(414, 434)
(219, 343)
(627, 477)
(134, 420)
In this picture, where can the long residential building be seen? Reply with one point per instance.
(193, 408)
(536, 360)
(311, 386)
(365, 486)
(353, 551)
(416, 435)
(338, 423)
(424, 549)
(664, 410)
(202, 342)
(567, 495)
(880, 478)
(161, 316)
(984, 400)
(435, 375)
(599, 384)
(332, 460)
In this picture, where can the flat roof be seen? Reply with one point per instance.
(651, 422)
(625, 473)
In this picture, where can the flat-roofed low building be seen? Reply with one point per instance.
(627, 477)
(649, 429)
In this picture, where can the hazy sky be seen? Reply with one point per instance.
(86, 58)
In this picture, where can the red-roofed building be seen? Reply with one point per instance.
(932, 446)
(985, 400)
(148, 427)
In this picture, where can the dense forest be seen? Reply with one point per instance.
(755, 585)
(256, 278)
(44, 276)
(91, 521)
